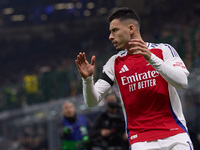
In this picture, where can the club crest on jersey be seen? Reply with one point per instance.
(124, 69)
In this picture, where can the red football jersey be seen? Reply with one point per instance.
(151, 105)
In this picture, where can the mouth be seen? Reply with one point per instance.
(115, 44)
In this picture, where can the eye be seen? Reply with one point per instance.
(114, 30)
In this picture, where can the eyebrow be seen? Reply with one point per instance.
(115, 28)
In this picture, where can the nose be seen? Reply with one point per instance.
(111, 37)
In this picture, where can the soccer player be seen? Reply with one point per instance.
(147, 75)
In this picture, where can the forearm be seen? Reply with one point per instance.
(173, 75)
(93, 94)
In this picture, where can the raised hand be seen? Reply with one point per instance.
(85, 68)
(139, 47)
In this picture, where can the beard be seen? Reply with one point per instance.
(119, 49)
(122, 47)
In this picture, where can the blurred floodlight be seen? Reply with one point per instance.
(8, 11)
(16, 18)
(90, 5)
(43, 17)
(60, 6)
(102, 11)
(86, 13)
(69, 5)
(79, 5)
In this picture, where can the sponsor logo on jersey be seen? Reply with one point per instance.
(139, 76)
(140, 80)
(180, 64)
(124, 69)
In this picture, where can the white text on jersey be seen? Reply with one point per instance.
(138, 77)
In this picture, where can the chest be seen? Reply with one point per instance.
(137, 80)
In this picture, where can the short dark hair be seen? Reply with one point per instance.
(124, 13)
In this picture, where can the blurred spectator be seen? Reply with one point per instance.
(73, 129)
(108, 131)
(31, 84)
(31, 140)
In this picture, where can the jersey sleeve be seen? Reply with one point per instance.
(171, 68)
(94, 93)
(172, 58)
(108, 69)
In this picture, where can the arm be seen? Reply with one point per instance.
(176, 75)
(173, 75)
(93, 93)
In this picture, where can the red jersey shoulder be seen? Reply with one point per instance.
(158, 52)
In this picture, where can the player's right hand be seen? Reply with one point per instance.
(85, 68)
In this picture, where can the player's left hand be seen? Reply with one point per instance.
(139, 47)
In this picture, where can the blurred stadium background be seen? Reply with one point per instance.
(39, 41)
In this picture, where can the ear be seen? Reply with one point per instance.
(131, 29)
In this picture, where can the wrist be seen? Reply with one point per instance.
(151, 59)
(88, 79)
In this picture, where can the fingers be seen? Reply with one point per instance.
(139, 47)
(84, 57)
(81, 58)
(137, 43)
(138, 40)
(93, 60)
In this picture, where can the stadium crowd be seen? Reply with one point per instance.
(52, 59)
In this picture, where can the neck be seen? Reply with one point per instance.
(136, 36)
